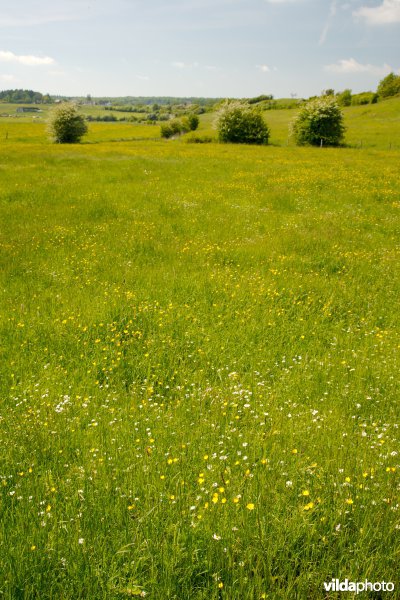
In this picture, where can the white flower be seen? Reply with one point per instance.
(216, 537)
(289, 483)
(80, 541)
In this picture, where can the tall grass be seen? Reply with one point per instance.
(199, 370)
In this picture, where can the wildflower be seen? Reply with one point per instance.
(349, 501)
(250, 506)
(309, 506)
(305, 493)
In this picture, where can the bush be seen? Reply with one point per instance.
(238, 122)
(195, 138)
(389, 86)
(191, 122)
(344, 98)
(66, 125)
(319, 122)
(364, 98)
(172, 128)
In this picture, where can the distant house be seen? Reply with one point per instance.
(23, 109)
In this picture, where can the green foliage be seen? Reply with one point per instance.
(66, 125)
(389, 86)
(191, 122)
(195, 138)
(344, 98)
(239, 123)
(319, 122)
(364, 98)
(24, 97)
(172, 128)
(261, 98)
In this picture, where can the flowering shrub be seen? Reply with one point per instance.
(66, 125)
(319, 122)
(238, 122)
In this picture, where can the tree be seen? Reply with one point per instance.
(66, 125)
(389, 86)
(238, 122)
(319, 122)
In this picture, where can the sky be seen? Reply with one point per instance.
(212, 48)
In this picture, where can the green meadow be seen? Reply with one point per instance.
(199, 363)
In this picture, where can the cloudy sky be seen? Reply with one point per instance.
(197, 47)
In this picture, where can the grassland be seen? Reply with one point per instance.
(199, 367)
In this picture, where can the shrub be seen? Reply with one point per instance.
(191, 122)
(172, 128)
(195, 138)
(364, 98)
(319, 122)
(344, 98)
(66, 125)
(389, 86)
(238, 122)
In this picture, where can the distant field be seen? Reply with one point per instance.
(199, 364)
(371, 126)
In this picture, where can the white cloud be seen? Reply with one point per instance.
(27, 60)
(264, 68)
(9, 78)
(386, 12)
(182, 65)
(350, 65)
(331, 16)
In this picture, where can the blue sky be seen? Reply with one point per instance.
(214, 48)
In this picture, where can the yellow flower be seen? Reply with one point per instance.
(250, 506)
(305, 493)
(294, 451)
(308, 506)
(220, 585)
(349, 501)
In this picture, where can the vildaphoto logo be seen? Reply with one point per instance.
(358, 586)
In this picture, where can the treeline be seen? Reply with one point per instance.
(150, 100)
(24, 97)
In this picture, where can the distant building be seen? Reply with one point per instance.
(23, 109)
